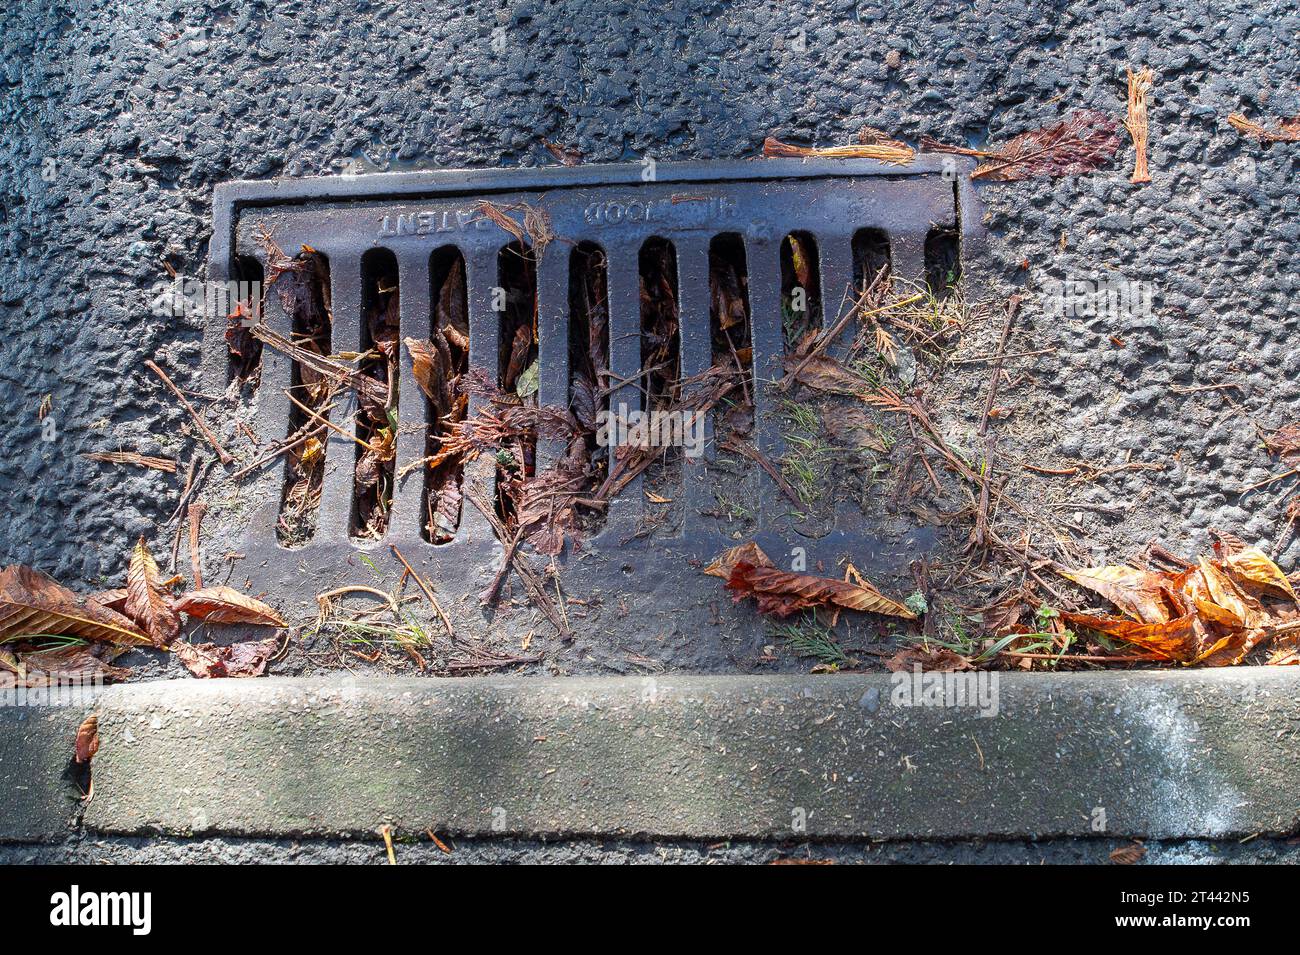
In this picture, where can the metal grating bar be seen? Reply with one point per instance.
(413, 408)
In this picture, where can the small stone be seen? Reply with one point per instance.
(894, 59)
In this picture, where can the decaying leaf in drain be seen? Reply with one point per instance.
(146, 602)
(1084, 141)
(32, 603)
(940, 659)
(782, 593)
(226, 605)
(208, 660)
(1215, 612)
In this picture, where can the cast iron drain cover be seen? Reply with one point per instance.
(914, 213)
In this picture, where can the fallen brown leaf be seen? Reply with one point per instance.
(782, 592)
(1128, 855)
(31, 603)
(208, 661)
(227, 605)
(748, 552)
(87, 739)
(146, 603)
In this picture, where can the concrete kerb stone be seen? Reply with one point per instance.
(1172, 754)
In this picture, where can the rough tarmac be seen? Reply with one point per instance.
(88, 849)
(118, 120)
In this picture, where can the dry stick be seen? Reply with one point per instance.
(305, 433)
(165, 465)
(489, 596)
(427, 591)
(1082, 657)
(195, 514)
(730, 443)
(222, 453)
(982, 514)
(189, 485)
(1018, 354)
(526, 573)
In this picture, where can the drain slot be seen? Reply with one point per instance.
(589, 385)
(661, 349)
(376, 414)
(942, 261)
(801, 289)
(730, 331)
(515, 298)
(301, 286)
(872, 260)
(447, 400)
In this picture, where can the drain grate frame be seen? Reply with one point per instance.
(413, 215)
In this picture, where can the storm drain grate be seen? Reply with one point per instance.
(413, 250)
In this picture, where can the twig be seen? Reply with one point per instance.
(130, 457)
(222, 453)
(427, 591)
(1018, 354)
(189, 486)
(1082, 657)
(732, 444)
(195, 515)
(305, 433)
(1013, 307)
(325, 421)
(526, 573)
(981, 533)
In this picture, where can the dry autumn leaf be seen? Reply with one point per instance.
(422, 358)
(208, 660)
(31, 603)
(748, 552)
(87, 739)
(1211, 613)
(827, 374)
(80, 662)
(146, 603)
(1253, 566)
(1128, 855)
(1139, 593)
(782, 593)
(927, 658)
(1170, 640)
(227, 605)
